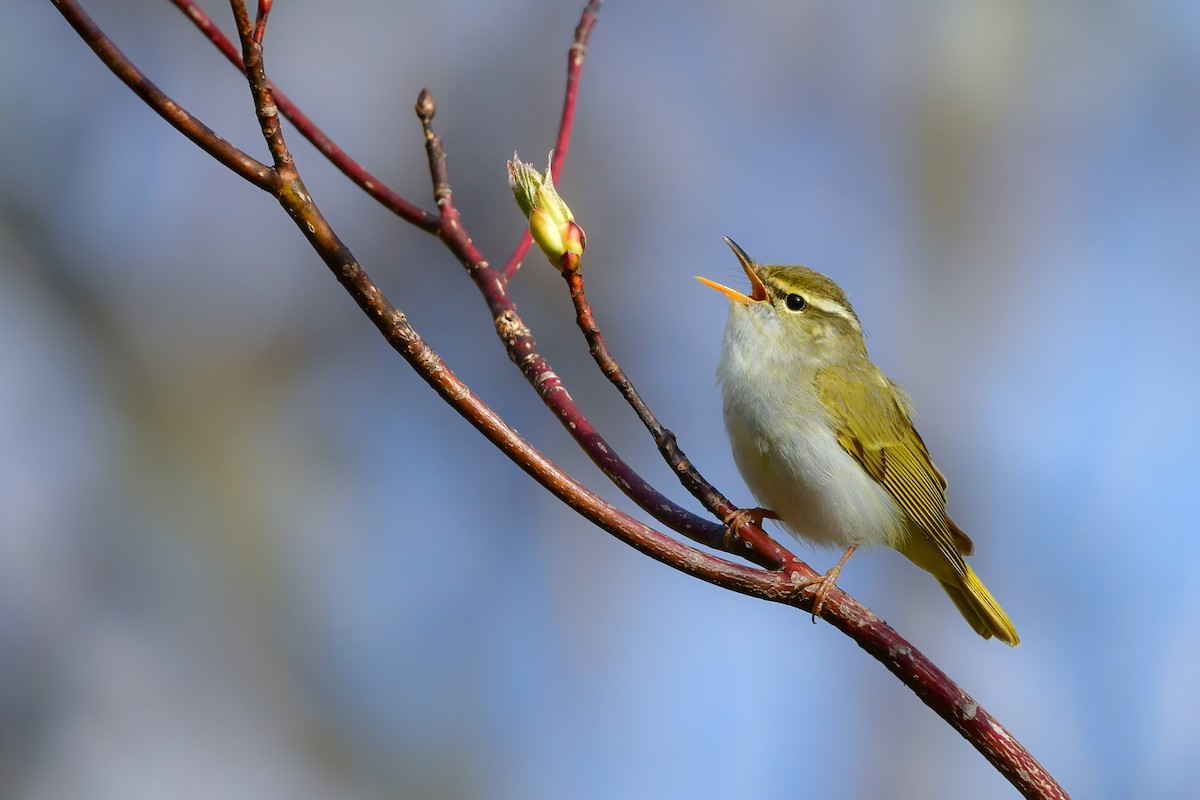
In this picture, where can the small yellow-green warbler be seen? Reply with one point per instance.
(826, 442)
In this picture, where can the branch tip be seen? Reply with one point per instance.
(260, 20)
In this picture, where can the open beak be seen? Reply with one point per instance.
(757, 290)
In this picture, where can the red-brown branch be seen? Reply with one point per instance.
(260, 88)
(747, 538)
(522, 348)
(575, 58)
(260, 21)
(357, 174)
(179, 118)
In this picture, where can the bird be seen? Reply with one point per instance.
(825, 441)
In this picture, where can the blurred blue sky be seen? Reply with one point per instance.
(245, 552)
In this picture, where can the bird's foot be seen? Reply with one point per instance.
(740, 517)
(826, 583)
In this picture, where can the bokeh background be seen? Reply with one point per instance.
(246, 553)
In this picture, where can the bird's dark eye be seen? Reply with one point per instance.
(794, 302)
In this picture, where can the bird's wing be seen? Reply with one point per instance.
(871, 420)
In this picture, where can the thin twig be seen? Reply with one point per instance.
(397, 330)
(575, 58)
(519, 341)
(439, 171)
(747, 540)
(264, 106)
(523, 350)
(750, 537)
(357, 174)
(260, 21)
(200, 134)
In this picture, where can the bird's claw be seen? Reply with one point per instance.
(741, 516)
(825, 583)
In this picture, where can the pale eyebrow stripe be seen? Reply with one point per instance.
(833, 307)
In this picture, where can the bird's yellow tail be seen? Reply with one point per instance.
(980, 609)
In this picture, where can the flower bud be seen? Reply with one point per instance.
(546, 232)
(551, 223)
(574, 240)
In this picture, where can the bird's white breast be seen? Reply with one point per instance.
(785, 447)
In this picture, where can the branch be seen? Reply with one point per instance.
(264, 106)
(753, 540)
(308, 129)
(289, 190)
(780, 585)
(523, 350)
(518, 339)
(195, 130)
(575, 58)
